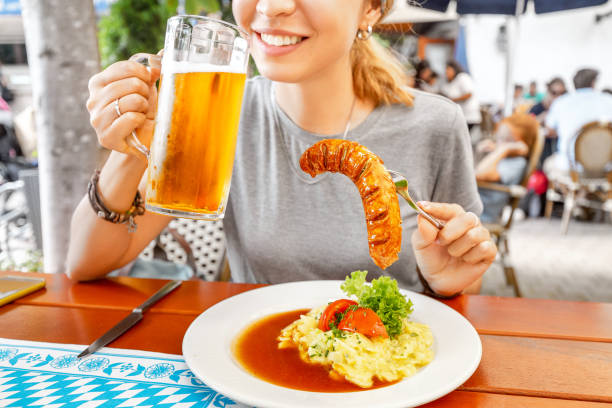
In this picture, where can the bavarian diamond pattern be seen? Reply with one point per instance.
(49, 376)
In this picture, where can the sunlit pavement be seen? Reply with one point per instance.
(576, 266)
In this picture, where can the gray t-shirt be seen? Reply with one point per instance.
(282, 225)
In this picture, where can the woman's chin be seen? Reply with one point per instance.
(279, 72)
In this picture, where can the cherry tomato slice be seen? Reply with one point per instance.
(365, 321)
(329, 314)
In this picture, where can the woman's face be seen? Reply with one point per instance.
(425, 74)
(293, 40)
(450, 73)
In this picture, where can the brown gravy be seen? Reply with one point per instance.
(256, 349)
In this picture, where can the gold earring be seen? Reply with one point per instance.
(363, 34)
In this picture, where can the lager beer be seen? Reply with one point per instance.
(191, 167)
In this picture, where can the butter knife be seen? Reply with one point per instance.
(130, 320)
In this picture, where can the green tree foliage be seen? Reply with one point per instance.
(134, 26)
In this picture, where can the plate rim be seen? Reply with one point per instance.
(252, 400)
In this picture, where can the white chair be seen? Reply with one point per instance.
(14, 221)
(197, 243)
(500, 230)
(590, 179)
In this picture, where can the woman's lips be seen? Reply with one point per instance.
(275, 50)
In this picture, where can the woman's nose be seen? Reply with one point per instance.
(273, 8)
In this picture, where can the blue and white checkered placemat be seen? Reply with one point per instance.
(49, 375)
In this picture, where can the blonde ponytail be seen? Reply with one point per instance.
(377, 74)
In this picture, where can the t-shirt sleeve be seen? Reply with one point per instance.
(456, 181)
(465, 84)
(511, 170)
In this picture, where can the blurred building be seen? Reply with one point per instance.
(549, 45)
(13, 54)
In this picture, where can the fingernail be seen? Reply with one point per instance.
(424, 204)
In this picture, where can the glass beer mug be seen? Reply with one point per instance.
(203, 73)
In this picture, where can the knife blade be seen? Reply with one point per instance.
(130, 320)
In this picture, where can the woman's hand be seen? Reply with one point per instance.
(133, 86)
(452, 258)
(486, 146)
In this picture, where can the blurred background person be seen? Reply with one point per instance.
(433, 84)
(460, 89)
(5, 93)
(423, 75)
(519, 103)
(410, 76)
(569, 112)
(517, 98)
(554, 89)
(532, 95)
(505, 160)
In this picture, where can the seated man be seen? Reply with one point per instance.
(569, 113)
(506, 160)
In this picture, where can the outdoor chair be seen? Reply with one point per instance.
(9, 216)
(500, 229)
(198, 244)
(588, 184)
(487, 124)
(14, 220)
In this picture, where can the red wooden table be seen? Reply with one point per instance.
(536, 353)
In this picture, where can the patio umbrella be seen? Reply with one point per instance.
(513, 8)
(509, 7)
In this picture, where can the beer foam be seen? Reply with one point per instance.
(183, 67)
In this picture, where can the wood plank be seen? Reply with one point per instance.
(124, 293)
(155, 332)
(537, 317)
(553, 368)
(485, 400)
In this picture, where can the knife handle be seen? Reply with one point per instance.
(167, 288)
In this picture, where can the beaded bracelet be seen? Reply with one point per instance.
(427, 290)
(102, 211)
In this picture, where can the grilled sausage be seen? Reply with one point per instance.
(375, 186)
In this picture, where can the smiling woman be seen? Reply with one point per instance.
(317, 32)
(323, 76)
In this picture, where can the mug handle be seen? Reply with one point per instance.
(152, 62)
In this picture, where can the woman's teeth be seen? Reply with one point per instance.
(280, 40)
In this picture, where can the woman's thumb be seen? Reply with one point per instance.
(424, 235)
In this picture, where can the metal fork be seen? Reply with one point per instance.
(401, 187)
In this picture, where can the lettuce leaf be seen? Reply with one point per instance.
(382, 296)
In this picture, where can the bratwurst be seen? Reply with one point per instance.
(375, 186)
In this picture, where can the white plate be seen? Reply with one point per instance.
(207, 343)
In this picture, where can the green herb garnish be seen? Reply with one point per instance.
(336, 331)
(382, 296)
